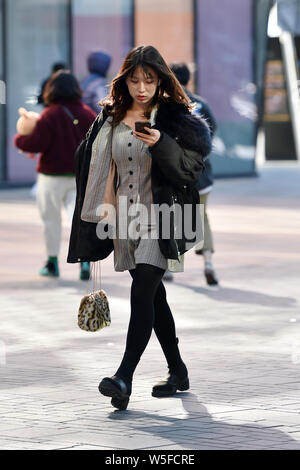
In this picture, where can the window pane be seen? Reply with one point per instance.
(101, 25)
(36, 37)
(167, 25)
(2, 98)
(225, 80)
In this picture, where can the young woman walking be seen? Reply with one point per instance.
(57, 134)
(159, 168)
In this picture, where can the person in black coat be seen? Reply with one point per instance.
(206, 178)
(154, 168)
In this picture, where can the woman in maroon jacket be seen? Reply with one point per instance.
(57, 134)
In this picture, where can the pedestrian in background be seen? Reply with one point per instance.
(94, 86)
(206, 180)
(55, 68)
(158, 166)
(56, 135)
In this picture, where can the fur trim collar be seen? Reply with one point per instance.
(191, 131)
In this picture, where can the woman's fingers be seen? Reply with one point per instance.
(141, 134)
(150, 138)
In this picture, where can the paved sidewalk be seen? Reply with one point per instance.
(241, 342)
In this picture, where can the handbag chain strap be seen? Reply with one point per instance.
(95, 281)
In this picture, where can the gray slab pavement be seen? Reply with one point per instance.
(241, 342)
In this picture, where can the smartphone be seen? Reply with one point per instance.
(140, 126)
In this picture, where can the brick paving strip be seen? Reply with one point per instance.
(241, 342)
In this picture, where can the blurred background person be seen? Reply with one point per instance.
(94, 86)
(55, 67)
(56, 136)
(206, 179)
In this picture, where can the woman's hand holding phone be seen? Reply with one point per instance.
(148, 136)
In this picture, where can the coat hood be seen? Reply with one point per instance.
(99, 62)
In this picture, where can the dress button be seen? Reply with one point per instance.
(130, 186)
(131, 172)
(131, 200)
(130, 144)
(130, 158)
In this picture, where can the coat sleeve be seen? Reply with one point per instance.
(39, 140)
(180, 166)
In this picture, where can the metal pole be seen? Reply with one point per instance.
(290, 61)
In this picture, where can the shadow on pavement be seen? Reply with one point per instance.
(194, 430)
(79, 287)
(44, 284)
(240, 296)
(221, 294)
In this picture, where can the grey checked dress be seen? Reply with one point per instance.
(133, 162)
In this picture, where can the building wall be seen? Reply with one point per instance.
(168, 26)
(101, 25)
(2, 97)
(225, 58)
(38, 33)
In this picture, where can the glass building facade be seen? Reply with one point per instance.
(215, 38)
(101, 24)
(226, 78)
(36, 36)
(2, 97)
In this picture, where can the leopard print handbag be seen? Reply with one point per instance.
(93, 312)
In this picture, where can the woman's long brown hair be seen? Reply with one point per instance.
(120, 100)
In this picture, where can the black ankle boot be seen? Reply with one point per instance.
(116, 388)
(168, 387)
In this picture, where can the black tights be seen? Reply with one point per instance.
(149, 309)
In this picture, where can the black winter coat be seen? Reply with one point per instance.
(206, 178)
(177, 161)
